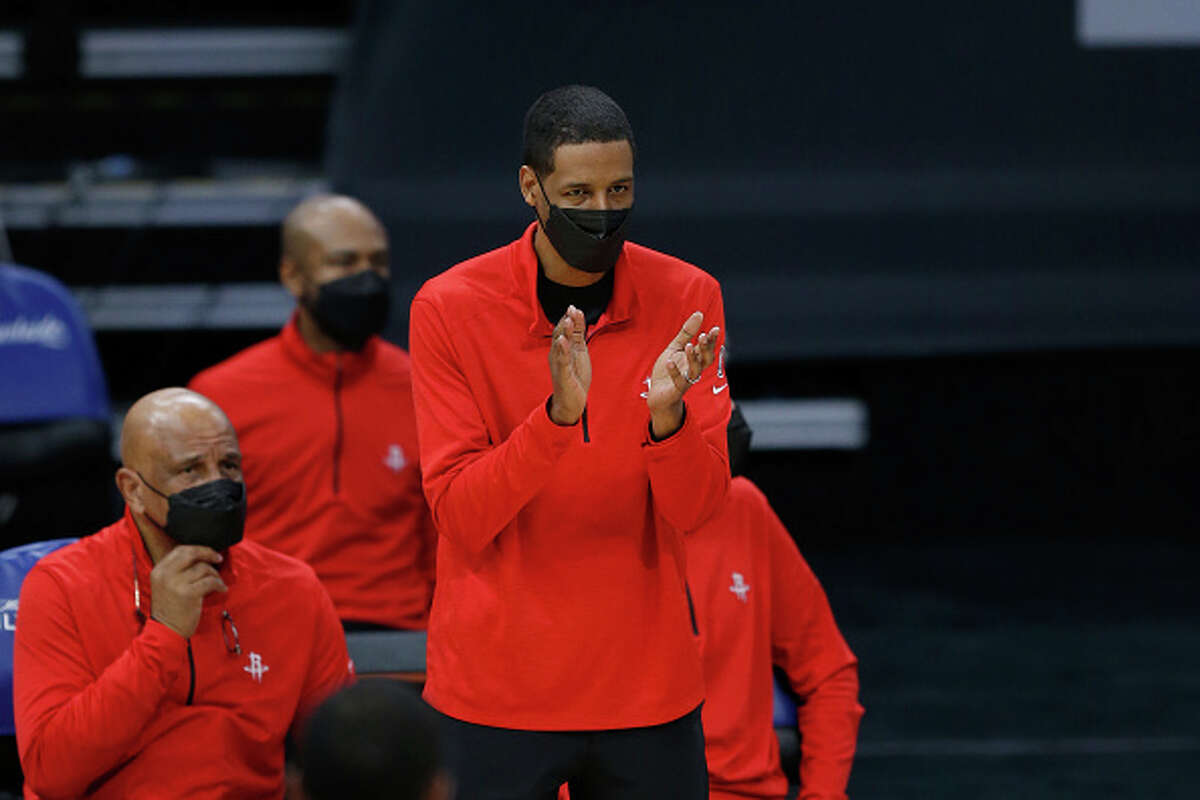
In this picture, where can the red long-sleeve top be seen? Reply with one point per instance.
(110, 707)
(759, 605)
(561, 602)
(329, 448)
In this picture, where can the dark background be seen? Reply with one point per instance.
(954, 212)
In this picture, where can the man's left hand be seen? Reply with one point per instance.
(675, 371)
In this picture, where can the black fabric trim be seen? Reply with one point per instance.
(691, 609)
(192, 674)
(337, 441)
(591, 300)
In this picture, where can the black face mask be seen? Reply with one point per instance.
(738, 436)
(587, 239)
(351, 310)
(212, 514)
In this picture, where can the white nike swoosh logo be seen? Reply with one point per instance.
(721, 388)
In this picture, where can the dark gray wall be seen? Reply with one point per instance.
(864, 178)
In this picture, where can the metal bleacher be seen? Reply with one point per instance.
(204, 126)
(169, 225)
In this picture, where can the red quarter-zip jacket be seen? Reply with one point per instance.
(329, 448)
(109, 706)
(759, 605)
(561, 602)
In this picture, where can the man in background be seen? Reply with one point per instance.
(759, 606)
(324, 413)
(163, 656)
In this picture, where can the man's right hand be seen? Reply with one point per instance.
(570, 368)
(179, 583)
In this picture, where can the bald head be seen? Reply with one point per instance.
(179, 438)
(330, 223)
(326, 239)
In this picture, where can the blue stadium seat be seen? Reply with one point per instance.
(786, 732)
(15, 563)
(56, 460)
(785, 707)
(49, 368)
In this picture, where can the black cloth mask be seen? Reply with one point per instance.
(738, 436)
(352, 309)
(212, 514)
(587, 239)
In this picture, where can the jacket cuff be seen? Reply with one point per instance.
(686, 425)
(546, 406)
(685, 446)
(547, 430)
(163, 648)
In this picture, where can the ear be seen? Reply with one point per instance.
(528, 182)
(129, 485)
(291, 275)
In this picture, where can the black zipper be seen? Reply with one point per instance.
(587, 436)
(192, 674)
(691, 609)
(337, 441)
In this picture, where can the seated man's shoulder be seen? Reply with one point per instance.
(393, 359)
(748, 506)
(740, 516)
(82, 562)
(265, 565)
(743, 491)
(256, 363)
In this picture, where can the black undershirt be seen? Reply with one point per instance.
(591, 300)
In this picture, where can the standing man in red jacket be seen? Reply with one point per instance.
(571, 429)
(324, 414)
(163, 656)
(759, 606)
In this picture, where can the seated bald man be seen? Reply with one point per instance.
(163, 656)
(324, 412)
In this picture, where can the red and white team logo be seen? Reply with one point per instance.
(256, 667)
(395, 460)
(740, 588)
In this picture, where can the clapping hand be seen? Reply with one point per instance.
(676, 370)
(570, 368)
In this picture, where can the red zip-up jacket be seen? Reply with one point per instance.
(110, 707)
(329, 445)
(561, 602)
(758, 605)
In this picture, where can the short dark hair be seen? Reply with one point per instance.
(374, 739)
(571, 115)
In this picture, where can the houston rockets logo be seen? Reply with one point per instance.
(740, 587)
(395, 460)
(256, 668)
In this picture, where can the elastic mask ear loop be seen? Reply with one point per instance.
(161, 525)
(546, 197)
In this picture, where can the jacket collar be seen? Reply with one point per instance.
(325, 365)
(525, 268)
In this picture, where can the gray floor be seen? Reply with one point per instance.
(1023, 669)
